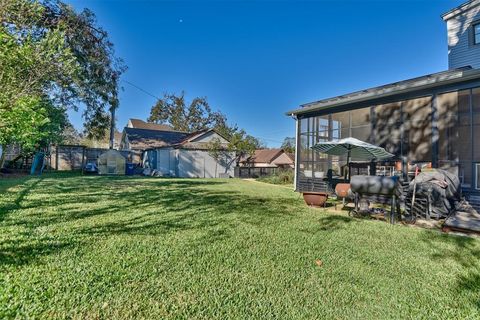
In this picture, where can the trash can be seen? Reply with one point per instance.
(129, 169)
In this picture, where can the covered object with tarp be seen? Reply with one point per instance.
(441, 187)
(111, 162)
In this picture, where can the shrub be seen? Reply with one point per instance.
(280, 177)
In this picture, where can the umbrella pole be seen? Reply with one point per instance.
(347, 175)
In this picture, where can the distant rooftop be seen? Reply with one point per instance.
(140, 124)
(263, 156)
(392, 89)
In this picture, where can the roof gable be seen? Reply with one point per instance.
(206, 136)
(140, 124)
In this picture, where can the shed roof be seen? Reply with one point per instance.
(141, 139)
(392, 89)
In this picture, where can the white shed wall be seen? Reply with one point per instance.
(199, 164)
(187, 163)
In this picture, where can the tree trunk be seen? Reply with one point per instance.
(2, 157)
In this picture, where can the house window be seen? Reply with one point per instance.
(476, 33)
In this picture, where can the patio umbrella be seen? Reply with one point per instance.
(352, 148)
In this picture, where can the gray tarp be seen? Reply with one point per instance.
(442, 187)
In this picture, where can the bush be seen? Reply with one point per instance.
(280, 177)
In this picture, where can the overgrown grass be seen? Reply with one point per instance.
(128, 247)
(283, 177)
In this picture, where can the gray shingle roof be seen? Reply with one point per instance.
(142, 139)
(392, 89)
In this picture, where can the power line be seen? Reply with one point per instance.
(269, 139)
(141, 89)
(154, 96)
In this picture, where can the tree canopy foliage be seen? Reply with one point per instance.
(288, 144)
(51, 55)
(198, 115)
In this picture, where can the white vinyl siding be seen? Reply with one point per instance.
(462, 35)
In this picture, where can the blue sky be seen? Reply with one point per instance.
(256, 60)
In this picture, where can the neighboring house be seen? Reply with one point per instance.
(177, 153)
(432, 120)
(268, 158)
(264, 162)
(140, 124)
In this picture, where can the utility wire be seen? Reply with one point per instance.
(141, 89)
(154, 96)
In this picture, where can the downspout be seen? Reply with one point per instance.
(297, 153)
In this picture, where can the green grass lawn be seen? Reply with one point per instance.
(130, 247)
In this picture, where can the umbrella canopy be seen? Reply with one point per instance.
(352, 148)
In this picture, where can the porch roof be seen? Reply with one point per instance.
(390, 90)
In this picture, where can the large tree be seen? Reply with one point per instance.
(32, 123)
(52, 55)
(182, 116)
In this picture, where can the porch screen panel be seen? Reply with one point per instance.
(341, 129)
(476, 124)
(387, 132)
(463, 147)
(361, 125)
(476, 137)
(313, 164)
(417, 122)
(321, 132)
(304, 165)
(341, 125)
(447, 106)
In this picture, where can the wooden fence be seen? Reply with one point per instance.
(74, 157)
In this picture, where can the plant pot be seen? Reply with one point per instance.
(315, 199)
(342, 190)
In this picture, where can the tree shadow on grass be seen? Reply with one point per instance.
(22, 252)
(465, 252)
(329, 223)
(192, 208)
(153, 207)
(6, 207)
